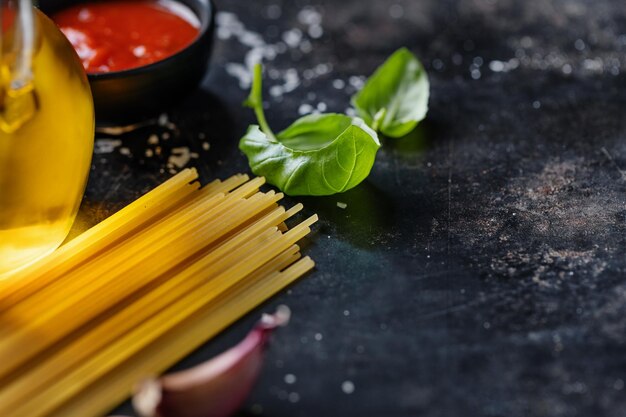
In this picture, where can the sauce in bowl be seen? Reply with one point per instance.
(124, 34)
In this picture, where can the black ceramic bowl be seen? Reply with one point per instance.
(125, 96)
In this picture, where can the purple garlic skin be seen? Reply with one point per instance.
(216, 388)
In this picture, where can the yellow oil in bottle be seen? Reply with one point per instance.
(45, 162)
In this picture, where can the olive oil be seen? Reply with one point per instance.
(46, 142)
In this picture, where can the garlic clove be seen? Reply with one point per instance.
(215, 388)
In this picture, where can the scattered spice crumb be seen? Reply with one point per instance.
(180, 157)
(149, 153)
(206, 146)
(165, 135)
(125, 151)
(341, 205)
(153, 139)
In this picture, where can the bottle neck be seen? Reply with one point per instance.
(21, 30)
(18, 100)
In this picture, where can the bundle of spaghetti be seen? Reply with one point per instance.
(137, 292)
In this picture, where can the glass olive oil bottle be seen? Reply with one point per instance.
(46, 135)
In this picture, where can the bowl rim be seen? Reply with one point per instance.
(206, 26)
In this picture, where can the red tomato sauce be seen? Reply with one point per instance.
(118, 35)
(7, 15)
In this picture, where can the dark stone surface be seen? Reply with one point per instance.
(480, 270)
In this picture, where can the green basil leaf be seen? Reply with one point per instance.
(317, 155)
(395, 99)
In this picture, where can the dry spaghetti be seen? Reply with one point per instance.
(137, 292)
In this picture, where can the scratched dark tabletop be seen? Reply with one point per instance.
(480, 270)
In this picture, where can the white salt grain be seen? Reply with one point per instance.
(292, 37)
(347, 387)
(356, 82)
(579, 44)
(496, 66)
(309, 16)
(103, 146)
(305, 109)
(241, 73)
(339, 84)
(316, 31)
